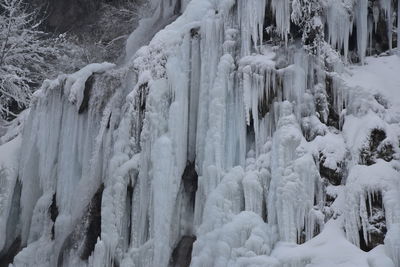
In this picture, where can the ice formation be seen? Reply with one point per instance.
(221, 141)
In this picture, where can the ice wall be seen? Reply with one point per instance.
(219, 143)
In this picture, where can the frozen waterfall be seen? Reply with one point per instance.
(236, 133)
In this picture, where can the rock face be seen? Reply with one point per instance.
(63, 15)
(233, 138)
(66, 15)
(376, 148)
(99, 28)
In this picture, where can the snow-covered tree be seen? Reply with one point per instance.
(26, 54)
(307, 15)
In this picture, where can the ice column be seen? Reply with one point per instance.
(362, 28)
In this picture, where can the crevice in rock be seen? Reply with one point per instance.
(182, 253)
(53, 211)
(86, 94)
(82, 240)
(333, 116)
(140, 106)
(94, 228)
(250, 133)
(190, 180)
(129, 196)
(12, 251)
(194, 32)
(178, 7)
(109, 121)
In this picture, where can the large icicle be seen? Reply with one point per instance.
(251, 16)
(281, 9)
(362, 28)
(387, 8)
(295, 179)
(339, 26)
(398, 27)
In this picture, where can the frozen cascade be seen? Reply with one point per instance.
(216, 143)
(295, 179)
(164, 12)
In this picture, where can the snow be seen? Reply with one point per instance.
(244, 241)
(330, 248)
(379, 75)
(332, 147)
(75, 83)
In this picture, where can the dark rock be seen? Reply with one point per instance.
(140, 106)
(334, 176)
(381, 100)
(190, 177)
(333, 115)
(53, 211)
(94, 229)
(129, 196)
(64, 15)
(376, 228)
(265, 104)
(86, 94)
(83, 238)
(182, 254)
(195, 32)
(375, 149)
(11, 252)
(178, 7)
(385, 152)
(13, 241)
(109, 121)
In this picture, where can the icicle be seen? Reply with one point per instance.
(375, 14)
(253, 193)
(258, 74)
(295, 178)
(339, 27)
(281, 9)
(387, 7)
(251, 16)
(362, 28)
(398, 27)
(370, 34)
(195, 67)
(212, 36)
